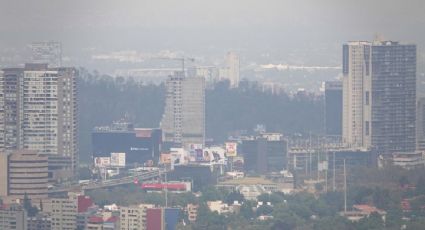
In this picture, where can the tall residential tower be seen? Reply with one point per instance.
(183, 121)
(379, 95)
(40, 110)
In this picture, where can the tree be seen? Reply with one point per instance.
(264, 210)
(403, 181)
(373, 222)
(31, 210)
(420, 185)
(234, 196)
(246, 210)
(210, 193)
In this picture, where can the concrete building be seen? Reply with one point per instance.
(231, 69)
(39, 222)
(379, 95)
(333, 108)
(63, 212)
(13, 217)
(134, 217)
(27, 174)
(357, 86)
(40, 110)
(4, 175)
(420, 124)
(47, 53)
(183, 122)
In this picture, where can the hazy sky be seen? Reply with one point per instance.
(260, 26)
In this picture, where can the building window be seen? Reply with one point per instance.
(367, 128)
(367, 98)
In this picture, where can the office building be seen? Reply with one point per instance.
(183, 122)
(162, 218)
(39, 222)
(140, 145)
(27, 175)
(420, 124)
(63, 212)
(13, 217)
(379, 95)
(265, 153)
(47, 53)
(40, 110)
(333, 108)
(231, 70)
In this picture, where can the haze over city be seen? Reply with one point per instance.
(221, 115)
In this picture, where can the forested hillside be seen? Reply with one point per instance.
(103, 99)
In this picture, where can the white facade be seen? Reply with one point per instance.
(357, 97)
(231, 70)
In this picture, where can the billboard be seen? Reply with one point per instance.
(118, 159)
(102, 161)
(139, 146)
(231, 149)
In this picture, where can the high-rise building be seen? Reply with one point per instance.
(333, 108)
(183, 121)
(40, 110)
(356, 87)
(231, 70)
(420, 124)
(47, 53)
(379, 95)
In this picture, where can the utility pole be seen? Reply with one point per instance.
(334, 169)
(345, 189)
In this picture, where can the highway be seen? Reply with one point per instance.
(142, 176)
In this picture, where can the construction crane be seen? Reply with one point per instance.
(182, 59)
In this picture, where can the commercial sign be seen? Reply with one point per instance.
(118, 159)
(102, 161)
(231, 149)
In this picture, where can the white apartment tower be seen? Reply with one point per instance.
(357, 83)
(183, 121)
(231, 70)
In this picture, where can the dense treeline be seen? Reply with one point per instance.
(103, 99)
(242, 109)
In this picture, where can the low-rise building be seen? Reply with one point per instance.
(406, 160)
(13, 217)
(361, 211)
(41, 221)
(134, 217)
